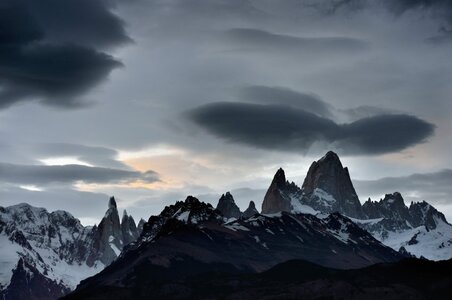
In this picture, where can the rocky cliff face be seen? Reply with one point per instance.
(107, 240)
(328, 188)
(280, 194)
(392, 207)
(226, 205)
(140, 226)
(250, 211)
(423, 213)
(28, 283)
(129, 230)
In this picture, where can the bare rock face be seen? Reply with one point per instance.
(422, 213)
(129, 229)
(391, 207)
(250, 211)
(400, 217)
(110, 236)
(328, 188)
(28, 283)
(275, 200)
(140, 225)
(227, 207)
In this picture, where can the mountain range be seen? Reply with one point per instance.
(191, 245)
(419, 229)
(45, 255)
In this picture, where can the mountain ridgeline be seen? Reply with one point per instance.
(192, 238)
(192, 249)
(419, 229)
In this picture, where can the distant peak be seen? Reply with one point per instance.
(112, 203)
(394, 197)
(191, 199)
(251, 210)
(124, 213)
(227, 197)
(330, 156)
(280, 178)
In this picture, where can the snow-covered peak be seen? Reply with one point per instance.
(56, 248)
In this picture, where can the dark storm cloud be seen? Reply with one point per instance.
(383, 134)
(365, 111)
(85, 22)
(433, 187)
(257, 39)
(50, 50)
(287, 128)
(440, 10)
(273, 95)
(44, 175)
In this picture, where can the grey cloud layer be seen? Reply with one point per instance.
(45, 175)
(261, 40)
(434, 187)
(308, 102)
(286, 128)
(96, 156)
(51, 50)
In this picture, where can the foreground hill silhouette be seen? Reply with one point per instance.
(296, 279)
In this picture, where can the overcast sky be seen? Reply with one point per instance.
(152, 101)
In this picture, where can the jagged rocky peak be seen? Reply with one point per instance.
(128, 228)
(279, 180)
(275, 200)
(226, 205)
(112, 203)
(423, 213)
(250, 211)
(107, 237)
(328, 187)
(392, 206)
(140, 225)
(191, 211)
(394, 199)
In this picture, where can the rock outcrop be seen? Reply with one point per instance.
(250, 211)
(328, 188)
(279, 195)
(226, 205)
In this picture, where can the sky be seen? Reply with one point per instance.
(151, 101)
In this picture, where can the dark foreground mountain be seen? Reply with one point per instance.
(191, 238)
(296, 279)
